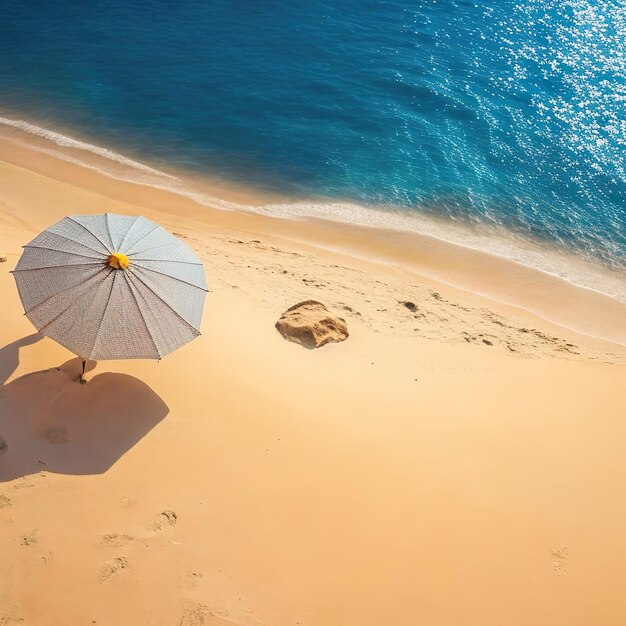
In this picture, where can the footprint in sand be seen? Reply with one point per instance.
(200, 615)
(53, 434)
(30, 539)
(559, 561)
(192, 580)
(110, 568)
(196, 615)
(115, 539)
(165, 519)
(128, 501)
(4, 502)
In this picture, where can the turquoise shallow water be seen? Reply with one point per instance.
(510, 114)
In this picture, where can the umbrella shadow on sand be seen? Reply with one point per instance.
(48, 421)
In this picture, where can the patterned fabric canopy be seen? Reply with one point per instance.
(112, 287)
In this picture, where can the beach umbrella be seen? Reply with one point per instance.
(112, 287)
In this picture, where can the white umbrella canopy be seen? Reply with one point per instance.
(112, 287)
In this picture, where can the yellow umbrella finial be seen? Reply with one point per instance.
(118, 261)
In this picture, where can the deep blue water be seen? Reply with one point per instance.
(508, 112)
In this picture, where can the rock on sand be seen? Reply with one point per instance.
(311, 324)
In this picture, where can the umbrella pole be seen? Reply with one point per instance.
(82, 376)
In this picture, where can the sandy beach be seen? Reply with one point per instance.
(458, 460)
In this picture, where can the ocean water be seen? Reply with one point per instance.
(508, 116)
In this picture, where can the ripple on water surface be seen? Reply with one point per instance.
(507, 113)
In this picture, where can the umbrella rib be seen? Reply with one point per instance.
(63, 251)
(130, 251)
(47, 267)
(121, 246)
(106, 220)
(127, 276)
(88, 231)
(104, 312)
(166, 261)
(56, 317)
(84, 245)
(169, 306)
(163, 245)
(180, 280)
(54, 295)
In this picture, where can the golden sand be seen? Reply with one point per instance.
(455, 461)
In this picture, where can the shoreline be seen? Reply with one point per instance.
(452, 446)
(529, 252)
(222, 193)
(505, 281)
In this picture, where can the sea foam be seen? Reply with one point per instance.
(486, 239)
